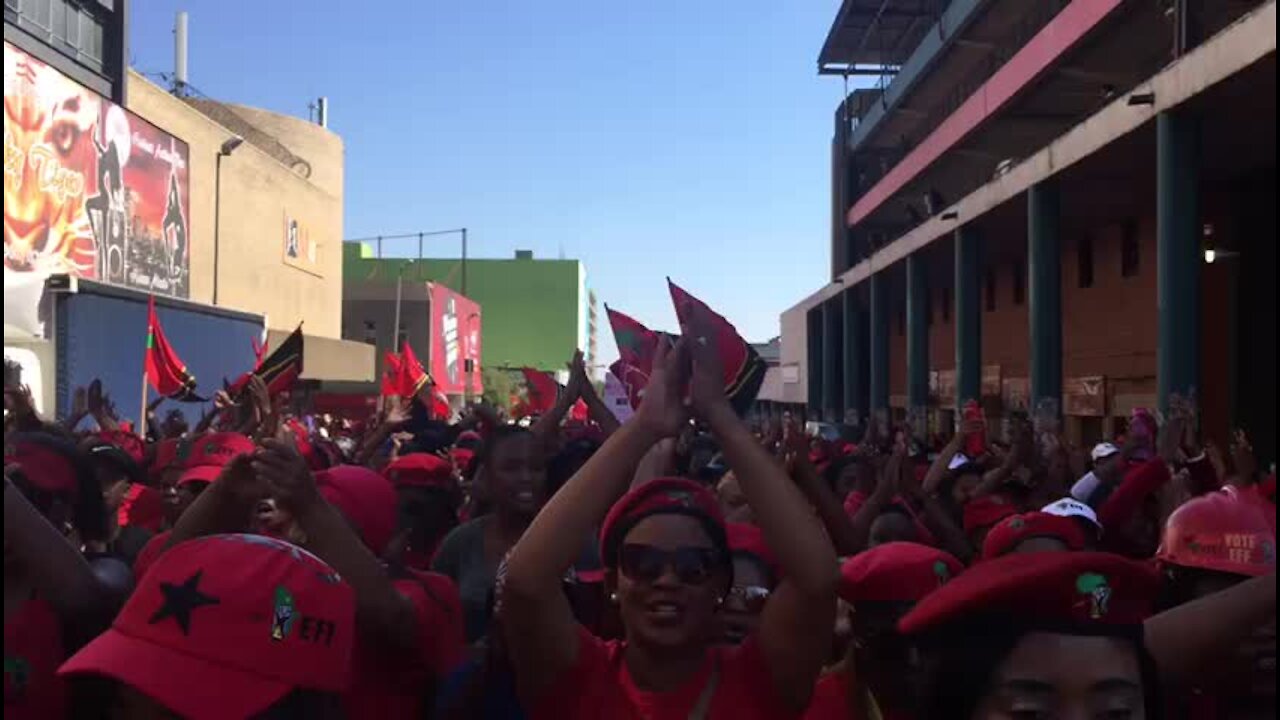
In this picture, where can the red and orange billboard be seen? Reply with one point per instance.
(455, 340)
(90, 189)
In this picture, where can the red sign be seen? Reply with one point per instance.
(90, 189)
(455, 340)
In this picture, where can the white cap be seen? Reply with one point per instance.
(1070, 507)
(958, 460)
(1103, 450)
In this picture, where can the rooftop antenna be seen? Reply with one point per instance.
(180, 54)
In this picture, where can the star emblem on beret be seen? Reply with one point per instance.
(180, 600)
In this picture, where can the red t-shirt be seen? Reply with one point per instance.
(387, 687)
(32, 653)
(600, 686)
(830, 698)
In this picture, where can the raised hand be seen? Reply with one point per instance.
(707, 380)
(281, 467)
(663, 409)
(578, 380)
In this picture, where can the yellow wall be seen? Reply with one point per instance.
(257, 192)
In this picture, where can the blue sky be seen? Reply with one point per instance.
(648, 139)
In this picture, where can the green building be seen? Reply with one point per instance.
(535, 312)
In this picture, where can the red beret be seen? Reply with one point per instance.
(206, 455)
(1064, 588)
(462, 457)
(1005, 536)
(986, 511)
(748, 539)
(365, 499)
(44, 466)
(664, 495)
(420, 470)
(896, 572)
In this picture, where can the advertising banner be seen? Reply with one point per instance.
(455, 339)
(90, 189)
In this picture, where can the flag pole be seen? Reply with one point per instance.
(142, 412)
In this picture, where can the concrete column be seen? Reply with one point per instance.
(813, 369)
(832, 364)
(879, 385)
(968, 314)
(1178, 255)
(1044, 286)
(856, 358)
(917, 336)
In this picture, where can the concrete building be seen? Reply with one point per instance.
(1023, 206)
(205, 204)
(536, 312)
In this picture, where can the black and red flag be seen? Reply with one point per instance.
(541, 391)
(743, 368)
(279, 370)
(637, 347)
(164, 369)
(412, 376)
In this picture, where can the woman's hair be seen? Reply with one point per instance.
(959, 663)
(87, 508)
(568, 461)
(495, 439)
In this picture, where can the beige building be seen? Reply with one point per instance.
(265, 220)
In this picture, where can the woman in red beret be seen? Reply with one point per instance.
(665, 553)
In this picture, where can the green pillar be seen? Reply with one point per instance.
(917, 336)
(856, 357)
(1178, 255)
(813, 369)
(832, 349)
(1044, 289)
(879, 283)
(968, 314)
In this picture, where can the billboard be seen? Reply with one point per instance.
(455, 339)
(90, 189)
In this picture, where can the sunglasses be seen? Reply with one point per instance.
(646, 563)
(747, 598)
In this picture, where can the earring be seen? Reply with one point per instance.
(613, 598)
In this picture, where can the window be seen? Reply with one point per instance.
(72, 27)
(1084, 261)
(990, 290)
(946, 305)
(370, 332)
(1019, 282)
(1129, 249)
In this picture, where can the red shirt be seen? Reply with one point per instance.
(600, 686)
(830, 698)
(387, 687)
(32, 653)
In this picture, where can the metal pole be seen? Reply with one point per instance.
(419, 246)
(217, 216)
(395, 343)
(464, 261)
(142, 413)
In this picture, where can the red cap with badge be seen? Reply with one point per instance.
(987, 510)
(421, 470)
(664, 495)
(208, 454)
(225, 626)
(896, 572)
(1058, 589)
(1005, 537)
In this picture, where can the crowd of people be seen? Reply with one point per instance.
(683, 564)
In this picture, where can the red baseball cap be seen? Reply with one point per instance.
(748, 539)
(210, 453)
(1225, 531)
(1011, 531)
(896, 572)
(46, 462)
(421, 470)
(130, 443)
(166, 455)
(987, 510)
(1086, 589)
(226, 625)
(366, 499)
(664, 495)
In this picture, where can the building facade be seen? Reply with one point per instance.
(536, 312)
(1054, 206)
(113, 179)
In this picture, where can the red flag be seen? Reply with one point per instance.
(164, 369)
(541, 391)
(637, 347)
(743, 368)
(440, 409)
(579, 411)
(412, 377)
(391, 375)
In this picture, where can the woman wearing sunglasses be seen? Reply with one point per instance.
(754, 578)
(668, 567)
